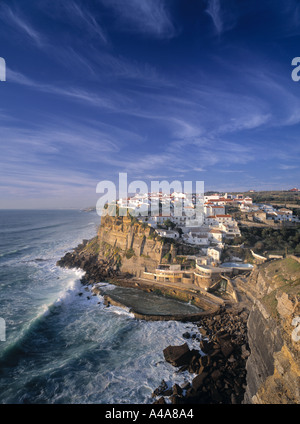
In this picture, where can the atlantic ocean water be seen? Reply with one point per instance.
(65, 348)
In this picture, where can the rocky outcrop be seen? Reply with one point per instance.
(135, 247)
(219, 364)
(85, 257)
(255, 359)
(273, 368)
(125, 246)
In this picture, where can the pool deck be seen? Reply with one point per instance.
(208, 303)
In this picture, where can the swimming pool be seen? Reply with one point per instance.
(236, 265)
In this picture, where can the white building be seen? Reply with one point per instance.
(230, 230)
(215, 220)
(215, 254)
(196, 238)
(211, 209)
(216, 235)
(167, 233)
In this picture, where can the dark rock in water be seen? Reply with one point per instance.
(178, 355)
(206, 346)
(95, 270)
(175, 400)
(221, 370)
(186, 335)
(162, 390)
(177, 390)
(160, 401)
(186, 385)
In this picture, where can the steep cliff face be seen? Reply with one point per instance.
(134, 247)
(273, 372)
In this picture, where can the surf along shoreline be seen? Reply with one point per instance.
(217, 369)
(99, 270)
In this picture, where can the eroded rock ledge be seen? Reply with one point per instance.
(218, 368)
(273, 371)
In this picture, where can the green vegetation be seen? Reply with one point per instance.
(281, 197)
(134, 220)
(169, 224)
(129, 253)
(168, 257)
(92, 247)
(152, 236)
(281, 241)
(275, 197)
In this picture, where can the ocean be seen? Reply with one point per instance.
(66, 348)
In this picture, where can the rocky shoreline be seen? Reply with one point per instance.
(95, 269)
(218, 368)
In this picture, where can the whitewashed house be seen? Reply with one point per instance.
(215, 220)
(167, 233)
(211, 209)
(196, 238)
(216, 235)
(214, 253)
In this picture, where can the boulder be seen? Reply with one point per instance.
(226, 347)
(198, 381)
(178, 355)
(160, 401)
(177, 390)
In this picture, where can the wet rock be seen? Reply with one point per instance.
(186, 385)
(186, 335)
(175, 400)
(160, 389)
(160, 401)
(206, 346)
(198, 381)
(203, 332)
(221, 374)
(178, 355)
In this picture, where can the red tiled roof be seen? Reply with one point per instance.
(219, 216)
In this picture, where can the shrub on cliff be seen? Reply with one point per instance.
(129, 253)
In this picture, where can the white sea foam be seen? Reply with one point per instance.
(99, 354)
(120, 311)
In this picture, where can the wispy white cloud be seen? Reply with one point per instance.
(18, 21)
(149, 17)
(221, 15)
(82, 16)
(138, 73)
(288, 167)
(214, 11)
(79, 94)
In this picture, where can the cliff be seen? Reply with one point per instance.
(273, 372)
(134, 247)
(272, 292)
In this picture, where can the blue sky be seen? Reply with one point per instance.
(160, 89)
